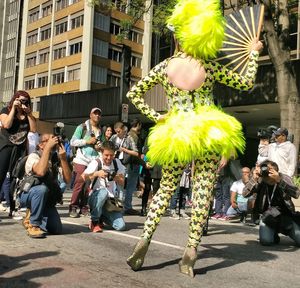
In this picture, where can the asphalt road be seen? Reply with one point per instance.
(229, 256)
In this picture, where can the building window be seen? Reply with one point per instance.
(29, 84)
(113, 80)
(42, 81)
(101, 22)
(77, 22)
(74, 1)
(32, 37)
(115, 29)
(73, 73)
(46, 9)
(61, 4)
(136, 61)
(99, 74)
(30, 60)
(58, 78)
(114, 54)
(59, 53)
(61, 28)
(33, 15)
(100, 48)
(45, 33)
(135, 36)
(44, 56)
(75, 48)
(120, 5)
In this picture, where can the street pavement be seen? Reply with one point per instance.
(229, 256)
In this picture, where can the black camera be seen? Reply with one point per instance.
(264, 170)
(111, 175)
(25, 102)
(266, 133)
(58, 130)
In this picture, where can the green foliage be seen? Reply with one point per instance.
(296, 180)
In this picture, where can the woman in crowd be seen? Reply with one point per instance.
(193, 129)
(17, 120)
(108, 131)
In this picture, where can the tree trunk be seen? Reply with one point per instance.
(279, 52)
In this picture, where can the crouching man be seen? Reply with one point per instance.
(274, 191)
(105, 173)
(40, 200)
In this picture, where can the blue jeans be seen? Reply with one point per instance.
(242, 208)
(132, 178)
(46, 217)
(96, 202)
(222, 195)
(5, 190)
(266, 234)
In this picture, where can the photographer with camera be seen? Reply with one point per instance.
(273, 200)
(105, 174)
(281, 151)
(16, 120)
(86, 139)
(42, 191)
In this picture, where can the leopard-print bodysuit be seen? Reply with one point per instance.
(205, 168)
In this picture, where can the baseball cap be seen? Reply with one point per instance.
(96, 109)
(281, 131)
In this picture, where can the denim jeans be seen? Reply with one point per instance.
(179, 196)
(41, 215)
(242, 207)
(222, 195)
(266, 234)
(132, 178)
(96, 202)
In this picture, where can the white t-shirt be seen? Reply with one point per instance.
(104, 183)
(238, 187)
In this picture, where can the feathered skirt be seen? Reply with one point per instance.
(184, 136)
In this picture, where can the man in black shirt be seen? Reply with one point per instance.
(274, 191)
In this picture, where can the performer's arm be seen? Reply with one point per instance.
(235, 80)
(137, 92)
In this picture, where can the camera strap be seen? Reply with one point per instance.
(271, 198)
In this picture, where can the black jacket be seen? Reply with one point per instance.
(285, 188)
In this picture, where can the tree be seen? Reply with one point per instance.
(277, 33)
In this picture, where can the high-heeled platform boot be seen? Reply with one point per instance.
(136, 260)
(186, 264)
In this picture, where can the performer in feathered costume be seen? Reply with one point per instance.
(193, 129)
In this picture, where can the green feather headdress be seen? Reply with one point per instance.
(199, 27)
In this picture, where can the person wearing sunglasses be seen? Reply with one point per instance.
(17, 120)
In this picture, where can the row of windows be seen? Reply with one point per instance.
(116, 55)
(42, 56)
(57, 78)
(45, 32)
(133, 35)
(62, 27)
(46, 9)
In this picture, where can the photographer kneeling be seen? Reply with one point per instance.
(106, 173)
(274, 191)
(41, 170)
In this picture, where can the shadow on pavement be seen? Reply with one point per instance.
(9, 264)
(74, 229)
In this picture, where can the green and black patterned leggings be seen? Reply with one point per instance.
(204, 178)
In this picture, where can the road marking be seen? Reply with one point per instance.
(130, 236)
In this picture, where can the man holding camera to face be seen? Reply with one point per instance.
(273, 200)
(43, 191)
(105, 174)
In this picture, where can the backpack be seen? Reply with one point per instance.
(18, 181)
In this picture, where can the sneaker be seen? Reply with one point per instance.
(84, 211)
(216, 216)
(174, 215)
(131, 212)
(35, 232)
(17, 215)
(26, 221)
(73, 213)
(224, 218)
(95, 227)
(184, 215)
